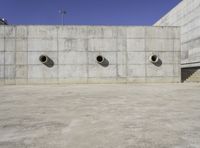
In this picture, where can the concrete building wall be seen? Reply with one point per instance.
(187, 15)
(73, 49)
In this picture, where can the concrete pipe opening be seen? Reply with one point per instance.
(100, 59)
(43, 59)
(153, 58)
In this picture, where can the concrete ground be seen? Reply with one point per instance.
(100, 116)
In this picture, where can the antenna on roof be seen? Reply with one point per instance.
(62, 13)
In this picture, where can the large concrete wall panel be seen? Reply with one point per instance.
(42, 44)
(9, 31)
(74, 32)
(42, 32)
(136, 32)
(159, 45)
(41, 72)
(102, 45)
(68, 44)
(135, 44)
(72, 58)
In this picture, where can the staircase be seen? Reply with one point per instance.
(190, 75)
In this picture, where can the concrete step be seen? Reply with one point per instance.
(194, 78)
(191, 81)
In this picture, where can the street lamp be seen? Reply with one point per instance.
(62, 13)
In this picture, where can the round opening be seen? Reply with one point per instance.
(154, 58)
(43, 58)
(99, 58)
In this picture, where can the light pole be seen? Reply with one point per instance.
(62, 13)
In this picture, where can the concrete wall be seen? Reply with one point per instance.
(74, 49)
(187, 15)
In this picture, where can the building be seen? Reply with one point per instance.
(186, 16)
(103, 54)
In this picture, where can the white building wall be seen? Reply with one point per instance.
(187, 15)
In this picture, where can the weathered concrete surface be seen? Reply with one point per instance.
(74, 49)
(103, 116)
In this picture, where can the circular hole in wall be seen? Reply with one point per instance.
(43, 58)
(99, 58)
(154, 58)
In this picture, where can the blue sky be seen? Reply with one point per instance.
(85, 12)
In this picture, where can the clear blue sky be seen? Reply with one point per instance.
(85, 12)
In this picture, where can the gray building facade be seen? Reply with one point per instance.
(186, 16)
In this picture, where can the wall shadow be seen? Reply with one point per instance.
(187, 72)
(159, 63)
